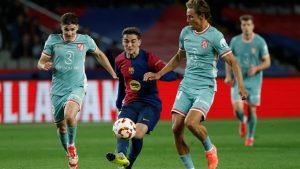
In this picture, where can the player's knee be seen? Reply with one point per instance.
(62, 130)
(190, 124)
(177, 129)
(141, 130)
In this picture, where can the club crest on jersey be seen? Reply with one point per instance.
(80, 46)
(204, 44)
(131, 70)
(253, 50)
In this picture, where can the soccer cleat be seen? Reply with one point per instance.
(212, 158)
(243, 128)
(72, 157)
(249, 141)
(118, 158)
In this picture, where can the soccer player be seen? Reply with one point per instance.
(65, 55)
(201, 45)
(253, 56)
(137, 99)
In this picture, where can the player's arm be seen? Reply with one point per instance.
(156, 64)
(121, 89)
(102, 59)
(228, 78)
(265, 63)
(232, 62)
(44, 62)
(171, 65)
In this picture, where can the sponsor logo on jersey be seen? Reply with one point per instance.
(80, 46)
(253, 50)
(204, 44)
(135, 85)
(186, 39)
(131, 70)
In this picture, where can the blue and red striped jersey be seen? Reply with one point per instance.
(131, 73)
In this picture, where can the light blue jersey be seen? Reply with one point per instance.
(249, 54)
(203, 50)
(197, 89)
(68, 62)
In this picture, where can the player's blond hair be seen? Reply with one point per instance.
(200, 7)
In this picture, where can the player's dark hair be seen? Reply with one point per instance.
(69, 18)
(200, 7)
(132, 30)
(246, 18)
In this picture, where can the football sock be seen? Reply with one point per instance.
(252, 120)
(240, 115)
(207, 144)
(187, 161)
(64, 140)
(72, 134)
(136, 148)
(122, 146)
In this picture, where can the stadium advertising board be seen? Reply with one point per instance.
(30, 102)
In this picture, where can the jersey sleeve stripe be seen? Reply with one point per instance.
(225, 53)
(50, 56)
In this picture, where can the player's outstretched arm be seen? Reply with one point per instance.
(171, 65)
(232, 62)
(102, 59)
(44, 62)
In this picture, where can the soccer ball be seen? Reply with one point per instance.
(124, 128)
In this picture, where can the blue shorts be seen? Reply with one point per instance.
(199, 100)
(140, 112)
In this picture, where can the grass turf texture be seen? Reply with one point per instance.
(36, 146)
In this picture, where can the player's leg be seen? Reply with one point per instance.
(252, 121)
(62, 134)
(193, 121)
(180, 141)
(253, 101)
(180, 108)
(72, 107)
(128, 111)
(71, 110)
(148, 117)
(58, 111)
(238, 108)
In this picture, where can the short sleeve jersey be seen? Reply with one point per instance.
(249, 54)
(203, 49)
(68, 62)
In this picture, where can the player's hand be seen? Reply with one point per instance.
(228, 80)
(47, 66)
(114, 76)
(151, 76)
(252, 71)
(243, 93)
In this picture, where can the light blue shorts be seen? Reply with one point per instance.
(253, 95)
(199, 100)
(59, 102)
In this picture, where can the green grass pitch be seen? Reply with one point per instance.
(36, 146)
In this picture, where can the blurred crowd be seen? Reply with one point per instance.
(22, 37)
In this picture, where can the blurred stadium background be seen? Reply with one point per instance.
(25, 25)
(24, 90)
